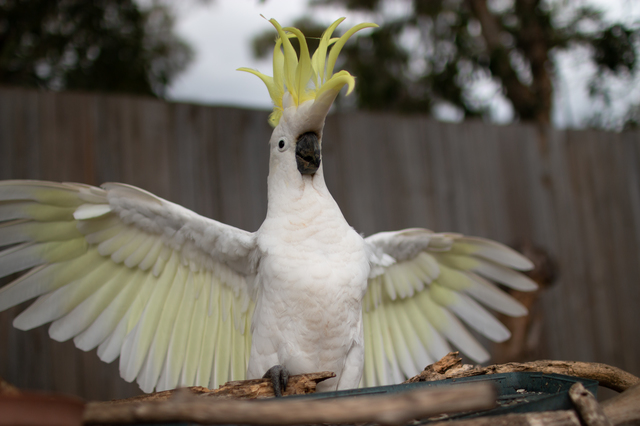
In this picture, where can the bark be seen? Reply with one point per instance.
(450, 366)
(546, 418)
(586, 404)
(241, 389)
(624, 407)
(388, 409)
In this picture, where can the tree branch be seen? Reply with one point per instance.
(588, 407)
(450, 366)
(387, 409)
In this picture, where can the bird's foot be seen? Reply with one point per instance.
(279, 377)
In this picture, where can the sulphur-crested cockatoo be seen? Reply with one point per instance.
(185, 300)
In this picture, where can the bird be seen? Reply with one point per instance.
(185, 300)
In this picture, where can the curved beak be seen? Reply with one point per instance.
(308, 155)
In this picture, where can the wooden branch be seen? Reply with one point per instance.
(241, 389)
(387, 409)
(624, 407)
(546, 418)
(451, 367)
(621, 409)
(586, 404)
(262, 388)
(448, 367)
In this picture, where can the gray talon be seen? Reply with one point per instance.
(279, 378)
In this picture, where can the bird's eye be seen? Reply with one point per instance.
(281, 144)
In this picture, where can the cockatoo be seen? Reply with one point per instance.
(185, 300)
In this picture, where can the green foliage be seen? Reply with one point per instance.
(101, 45)
(615, 49)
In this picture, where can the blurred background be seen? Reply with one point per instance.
(512, 120)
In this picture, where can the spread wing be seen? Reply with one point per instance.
(423, 287)
(134, 275)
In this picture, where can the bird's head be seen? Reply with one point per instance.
(302, 90)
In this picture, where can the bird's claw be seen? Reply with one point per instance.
(279, 378)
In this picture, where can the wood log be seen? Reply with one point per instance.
(382, 409)
(450, 367)
(241, 389)
(586, 404)
(262, 388)
(624, 407)
(546, 418)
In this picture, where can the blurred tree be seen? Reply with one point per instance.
(102, 45)
(437, 54)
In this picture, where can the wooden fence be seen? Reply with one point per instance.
(575, 194)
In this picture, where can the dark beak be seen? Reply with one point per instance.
(308, 153)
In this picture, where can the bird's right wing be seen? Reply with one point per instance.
(138, 277)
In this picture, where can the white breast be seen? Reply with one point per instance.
(311, 280)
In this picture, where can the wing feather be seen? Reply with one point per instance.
(399, 342)
(369, 372)
(106, 323)
(414, 302)
(158, 321)
(389, 351)
(60, 302)
(134, 275)
(205, 366)
(196, 337)
(176, 348)
(87, 311)
(417, 351)
(491, 296)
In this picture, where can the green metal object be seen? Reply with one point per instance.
(517, 392)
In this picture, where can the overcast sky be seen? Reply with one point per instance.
(220, 31)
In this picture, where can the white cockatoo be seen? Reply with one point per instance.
(185, 300)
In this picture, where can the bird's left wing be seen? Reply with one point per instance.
(421, 284)
(138, 277)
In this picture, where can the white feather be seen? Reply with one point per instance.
(505, 276)
(35, 211)
(492, 250)
(179, 337)
(494, 298)
(87, 311)
(91, 211)
(105, 324)
(138, 340)
(479, 319)
(196, 337)
(60, 302)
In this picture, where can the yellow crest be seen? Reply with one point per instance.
(305, 78)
